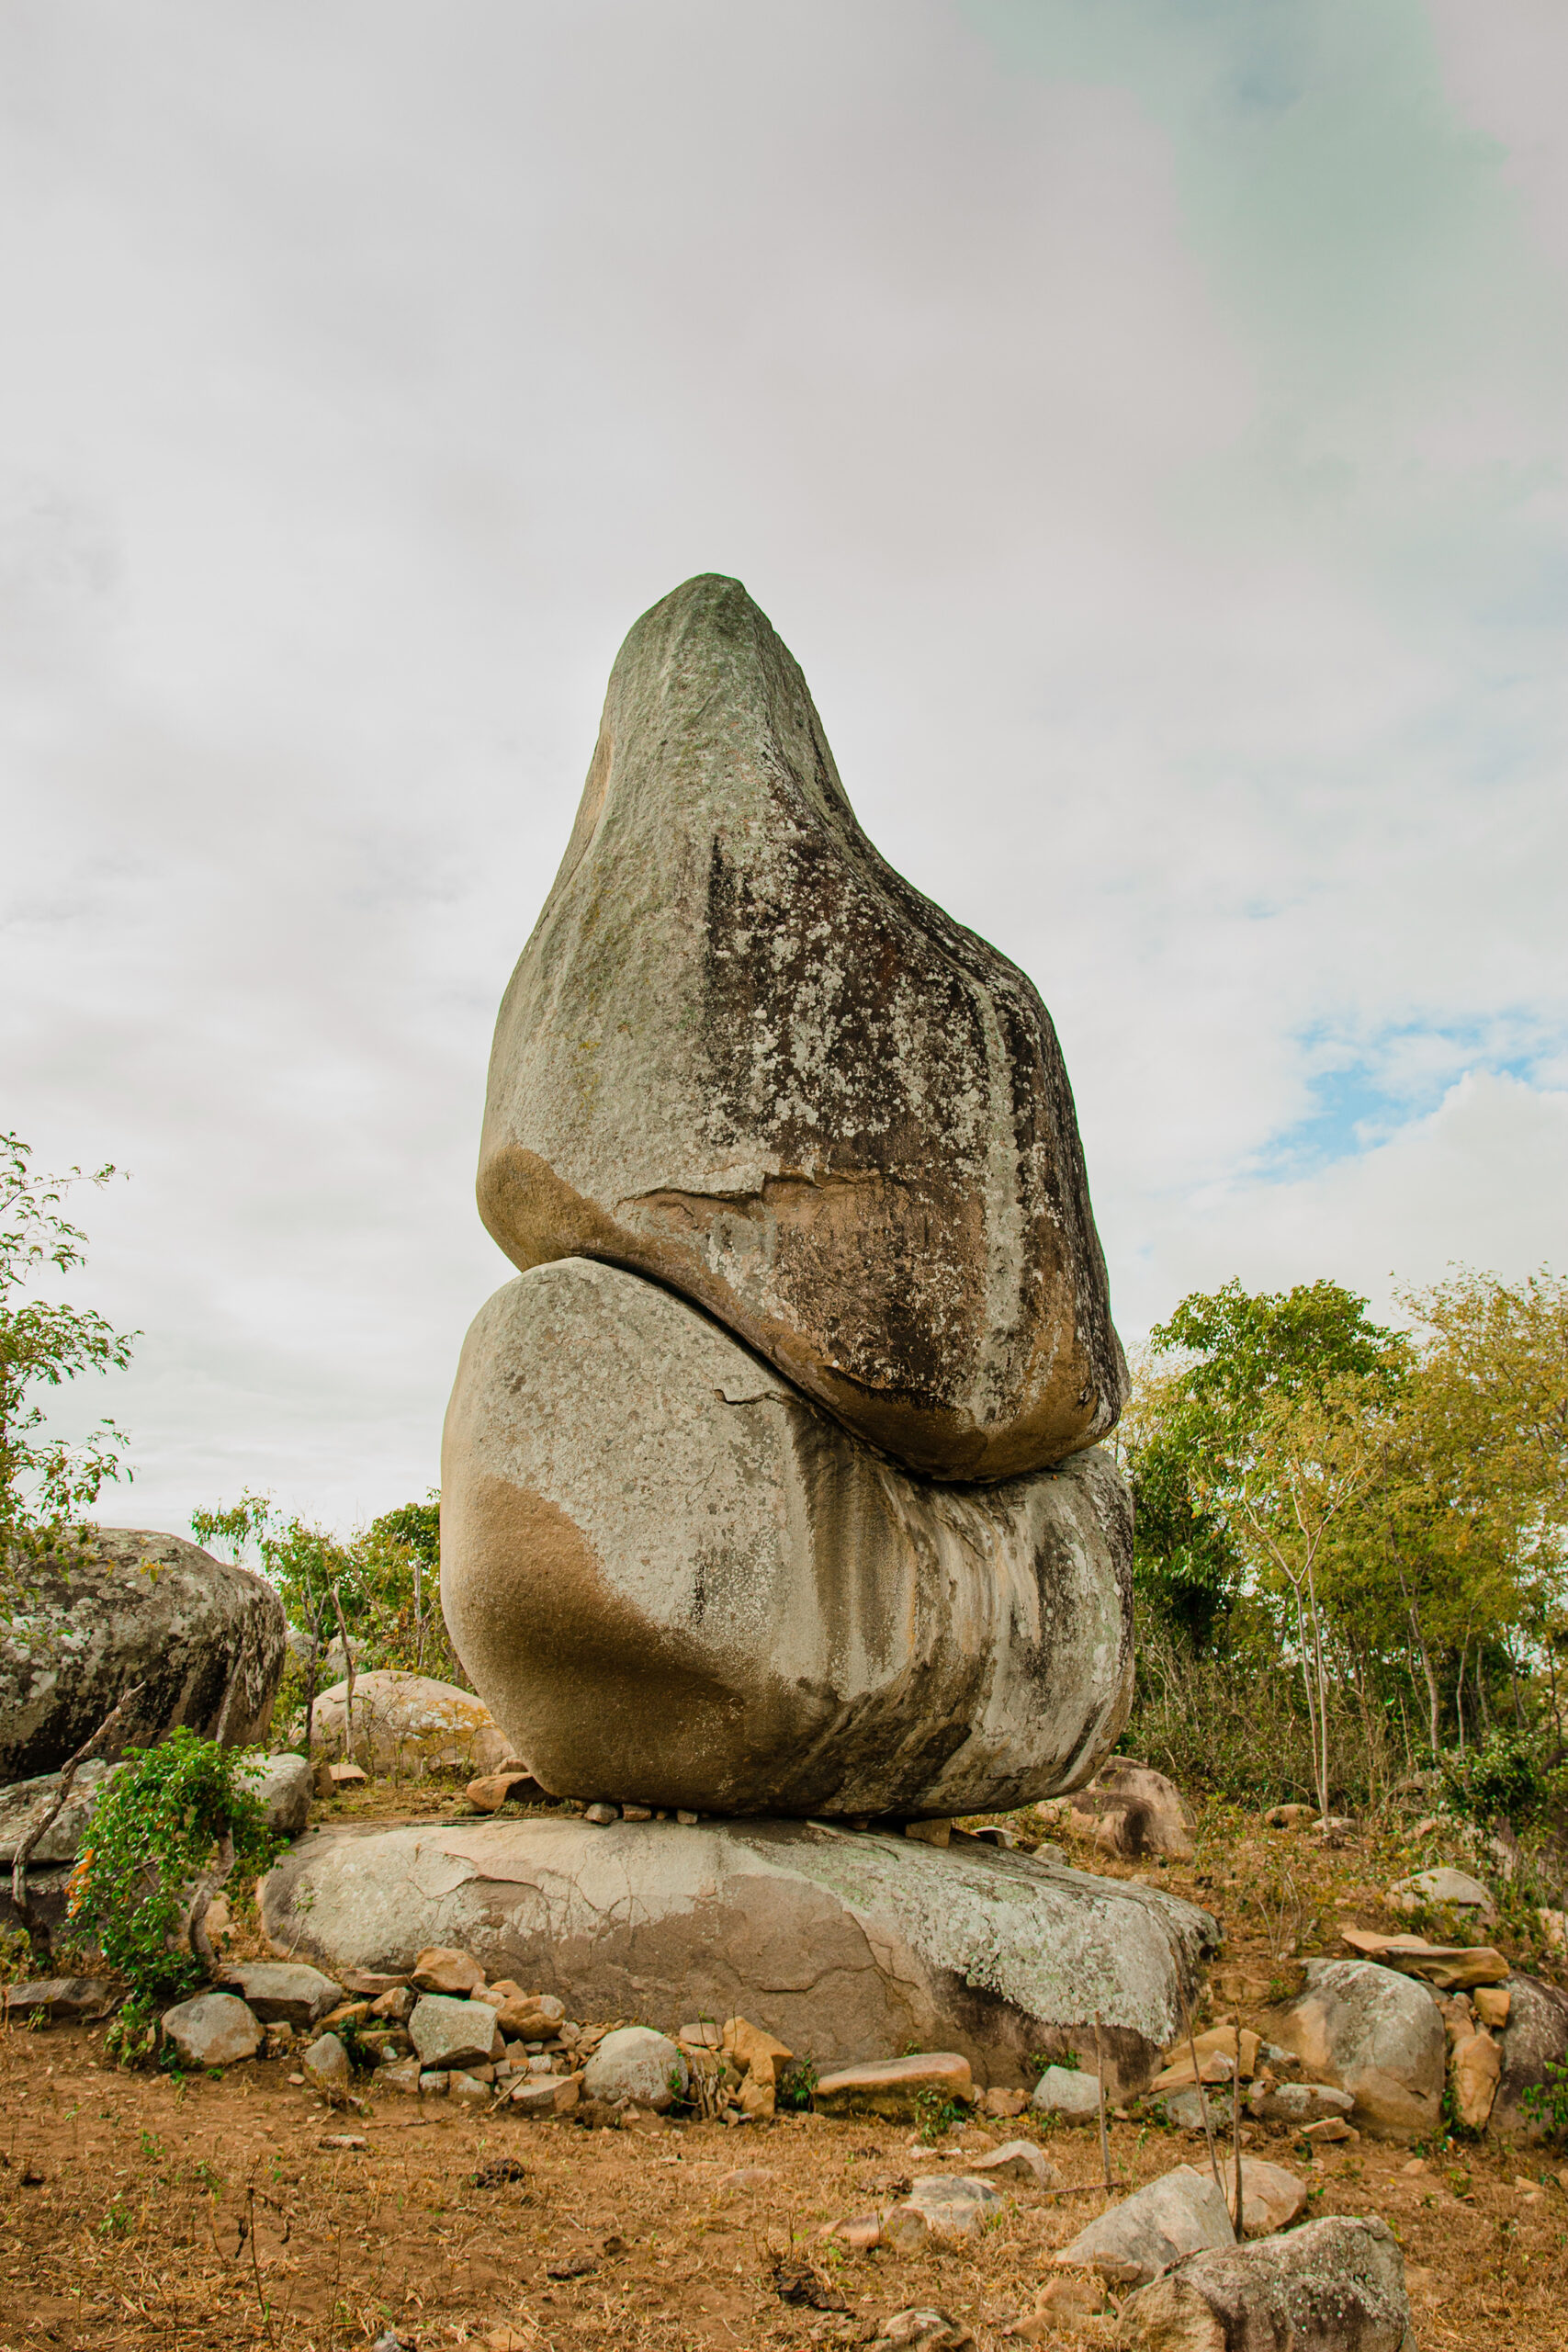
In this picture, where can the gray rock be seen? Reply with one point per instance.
(1272, 2197)
(918, 2328)
(832, 1942)
(1129, 1808)
(1375, 2034)
(1016, 2160)
(282, 1783)
(406, 1724)
(326, 2065)
(1535, 2036)
(1328, 2287)
(21, 1802)
(1455, 1888)
(636, 2063)
(57, 1996)
(450, 2033)
(468, 2090)
(214, 2030)
(895, 2087)
(1300, 2103)
(953, 2205)
(1180, 2214)
(676, 1581)
(740, 1055)
(204, 1641)
(1185, 2109)
(1067, 2091)
(282, 1992)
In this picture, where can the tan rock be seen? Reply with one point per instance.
(1477, 2065)
(1004, 2103)
(1333, 2284)
(1374, 2034)
(1272, 2197)
(405, 1725)
(932, 1833)
(1018, 2160)
(1492, 2004)
(1450, 1967)
(740, 1055)
(892, 2086)
(671, 1576)
(495, 1789)
(1130, 1809)
(438, 1969)
(1290, 1816)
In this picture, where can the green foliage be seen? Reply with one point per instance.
(1503, 1780)
(155, 1832)
(46, 1485)
(793, 2086)
(1546, 2102)
(936, 2113)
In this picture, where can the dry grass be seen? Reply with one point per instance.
(141, 2213)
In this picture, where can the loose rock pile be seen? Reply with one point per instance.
(790, 1163)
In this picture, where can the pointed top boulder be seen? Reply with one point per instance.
(742, 1055)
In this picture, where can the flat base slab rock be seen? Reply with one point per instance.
(842, 1946)
(675, 1581)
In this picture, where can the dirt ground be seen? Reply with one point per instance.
(139, 2212)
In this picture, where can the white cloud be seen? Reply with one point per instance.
(1149, 435)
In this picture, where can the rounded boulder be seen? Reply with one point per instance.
(638, 2065)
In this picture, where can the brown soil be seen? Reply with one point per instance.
(137, 2211)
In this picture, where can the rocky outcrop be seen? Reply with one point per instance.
(842, 1947)
(1335, 2285)
(1376, 2035)
(66, 1834)
(203, 1638)
(1535, 2036)
(406, 1724)
(675, 1581)
(742, 1055)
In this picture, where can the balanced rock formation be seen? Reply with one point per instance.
(677, 1582)
(204, 1639)
(839, 1945)
(742, 1055)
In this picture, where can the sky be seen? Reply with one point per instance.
(1144, 420)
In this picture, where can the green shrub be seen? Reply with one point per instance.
(1499, 1781)
(1546, 2102)
(157, 1830)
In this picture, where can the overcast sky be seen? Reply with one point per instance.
(1143, 419)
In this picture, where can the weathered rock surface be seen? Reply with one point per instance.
(953, 2205)
(63, 1840)
(839, 1945)
(1455, 1888)
(895, 2087)
(675, 1581)
(282, 1785)
(406, 1724)
(441, 1968)
(1272, 2197)
(1067, 2090)
(740, 1055)
(638, 2064)
(214, 2030)
(56, 1996)
(448, 2032)
(1535, 2035)
(1016, 2160)
(1376, 2035)
(1335, 2285)
(1181, 2212)
(282, 1992)
(1129, 1808)
(205, 1640)
(1299, 2102)
(326, 2067)
(1477, 2065)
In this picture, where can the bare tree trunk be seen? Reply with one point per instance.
(315, 1669)
(1459, 1694)
(348, 1695)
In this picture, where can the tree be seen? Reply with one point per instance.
(46, 1484)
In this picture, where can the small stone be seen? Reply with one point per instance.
(347, 1776)
(636, 1812)
(921, 2329)
(635, 2062)
(435, 2084)
(1181, 2212)
(56, 1996)
(351, 2141)
(1477, 2066)
(214, 2030)
(702, 2033)
(747, 2176)
(929, 1833)
(1004, 2103)
(440, 1970)
(1272, 2197)
(953, 2205)
(467, 2088)
(398, 2005)
(1299, 2102)
(689, 1820)
(282, 1992)
(347, 2013)
(892, 2087)
(859, 2233)
(1067, 2091)
(1068, 2303)
(1492, 2002)
(1290, 1816)
(1331, 2128)
(326, 2067)
(537, 2096)
(492, 1790)
(601, 1815)
(1018, 2160)
(401, 2076)
(448, 2032)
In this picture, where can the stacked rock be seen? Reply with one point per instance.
(770, 1485)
